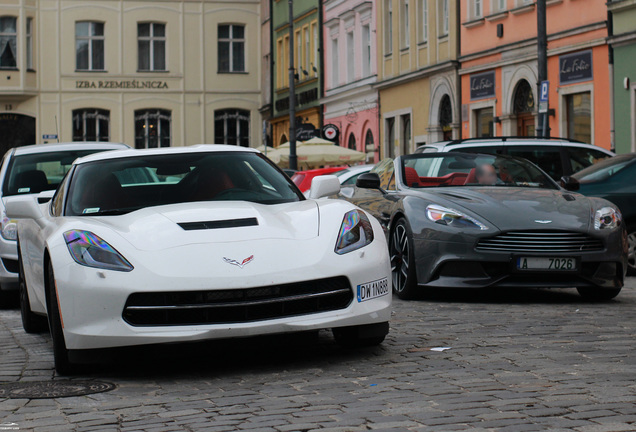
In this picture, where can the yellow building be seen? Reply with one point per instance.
(417, 73)
(146, 73)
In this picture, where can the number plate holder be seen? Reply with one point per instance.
(546, 264)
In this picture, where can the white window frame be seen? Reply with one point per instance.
(445, 17)
(232, 41)
(335, 66)
(14, 36)
(405, 24)
(366, 50)
(388, 27)
(423, 13)
(152, 39)
(351, 57)
(91, 38)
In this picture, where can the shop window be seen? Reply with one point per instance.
(89, 45)
(369, 144)
(484, 121)
(29, 43)
(8, 42)
(232, 126)
(390, 135)
(152, 128)
(579, 116)
(91, 124)
(446, 118)
(351, 144)
(231, 50)
(151, 46)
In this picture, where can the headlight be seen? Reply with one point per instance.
(454, 218)
(9, 228)
(607, 218)
(90, 250)
(356, 232)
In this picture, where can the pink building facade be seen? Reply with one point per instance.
(350, 101)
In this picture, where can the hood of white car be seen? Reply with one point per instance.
(164, 227)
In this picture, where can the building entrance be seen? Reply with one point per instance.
(16, 130)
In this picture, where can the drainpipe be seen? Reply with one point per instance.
(458, 78)
(610, 52)
(542, 63)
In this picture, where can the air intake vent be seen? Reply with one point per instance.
(541, 242)
(230, 223)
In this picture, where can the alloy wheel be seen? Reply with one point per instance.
(400, 257)
(631, 252)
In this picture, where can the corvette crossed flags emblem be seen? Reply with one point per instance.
(237, 263)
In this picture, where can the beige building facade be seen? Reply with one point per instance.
(146, 73)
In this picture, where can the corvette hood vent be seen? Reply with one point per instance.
(219, 224)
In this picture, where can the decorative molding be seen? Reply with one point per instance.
(497, 16)
(522, 9)
(621, 5)
(474, 23)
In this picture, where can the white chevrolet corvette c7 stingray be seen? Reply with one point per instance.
(185, 244)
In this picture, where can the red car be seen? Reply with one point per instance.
(302, 179)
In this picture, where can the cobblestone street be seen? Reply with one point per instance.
(518, 361)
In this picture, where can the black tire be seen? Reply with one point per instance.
(63, 365)
(404, 278)
(631, 253)
(598, 294)
(31, 322)
(361, 336)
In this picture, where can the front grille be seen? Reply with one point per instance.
(541, 242)
(237, 305)
(11, 265)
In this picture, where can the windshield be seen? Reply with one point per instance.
(464, 169)
(119, 186)
(604, 169)
(34, 173)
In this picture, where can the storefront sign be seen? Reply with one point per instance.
(121, 84)
(305, 131)
(482, 85)
(575, 67)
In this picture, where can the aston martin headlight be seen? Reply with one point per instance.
(453, 218)
(607, 218)
(356, 232)
(9, 228)
(90, 250)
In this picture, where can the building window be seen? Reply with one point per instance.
(388, 27)
(484, 121)
(369, 145)
(424, 23)
(298, 55)
(406, 134)
(350, 58)
(307, 41)
(405, 25)
(8, 42)
(351, 144)
(89, 45)
(314, 66)
(366, 50)
(280, 75)
(152, 46)
(334, 63)
(579, 116)
(29, 43)
(231, 48)
(444, 17)
(232, 127)
(499, 5)
(390, 136)
(152, 128)
(477, 9)
(91, 124)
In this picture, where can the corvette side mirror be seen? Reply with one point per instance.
(570, 183)
(323, 186)
(368, 181)
(23, 207)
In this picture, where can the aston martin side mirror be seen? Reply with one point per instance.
(368, 181)
(570, 183)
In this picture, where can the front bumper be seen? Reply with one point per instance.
(93, 301)
(458, 264)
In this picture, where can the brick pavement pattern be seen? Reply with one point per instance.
(528, 360)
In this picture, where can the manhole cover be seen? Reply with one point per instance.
(52, 389)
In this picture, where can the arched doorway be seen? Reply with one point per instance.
(16, 130)
(523, 108)
(369, 146)
(446, 118)
(283, 139)
(352, 142)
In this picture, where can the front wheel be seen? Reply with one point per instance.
(598, 294)
(402, 260)
(631, 251)
(63, 365)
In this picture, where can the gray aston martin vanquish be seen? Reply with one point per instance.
(470, 220)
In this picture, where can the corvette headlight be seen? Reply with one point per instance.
(9, 228)
(454, 218)
(90, 250)
(356, 232)
(607, 218)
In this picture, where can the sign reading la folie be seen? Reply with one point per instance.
(482, 85)
(575, 67)
(121, 84)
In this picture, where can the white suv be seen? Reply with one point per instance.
(556, 156)
(31, 170)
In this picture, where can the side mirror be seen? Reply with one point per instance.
(570, 183)
(323, 186)
(368, 181)
(44, 197)
(23, 207)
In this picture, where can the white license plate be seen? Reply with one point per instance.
(371, 290)
(557, 264)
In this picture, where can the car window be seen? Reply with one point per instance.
(548, 158)
(351, 180)
(384, 170)
(57, 202)
(34, 173)
(584, 157)
(147, 181)
(604, 169)
(481, 149)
